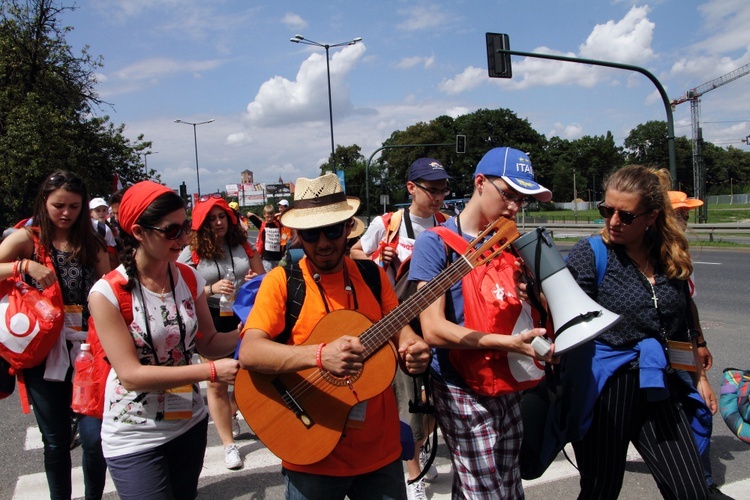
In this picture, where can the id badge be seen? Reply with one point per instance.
(357, 415)
(681, 355)
(74, 317)
(178, 403)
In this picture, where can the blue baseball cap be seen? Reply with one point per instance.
(428, 169)
(514, 167)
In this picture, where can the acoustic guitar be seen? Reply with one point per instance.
(300, 416)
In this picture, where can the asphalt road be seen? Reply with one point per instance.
(723, 291)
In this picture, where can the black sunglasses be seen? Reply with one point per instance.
(58, 180)
(626, 218)
(173, 231)
(333, 232)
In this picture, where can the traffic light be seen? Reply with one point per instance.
(460, 144)
(498, 65)
(183, 193)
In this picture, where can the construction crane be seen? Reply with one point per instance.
(694, 96)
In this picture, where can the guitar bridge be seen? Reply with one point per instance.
(292, 404)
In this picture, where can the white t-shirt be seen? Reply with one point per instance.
(376, 233)
(134, 421)
(109, 238)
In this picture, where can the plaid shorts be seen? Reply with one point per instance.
(483, 434)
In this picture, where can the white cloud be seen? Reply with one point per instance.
(293, 21)
(410, 62)
(425, 17)
(728, 20)
(571, 131)
(625, 41)
(470, 78)
(280, 101)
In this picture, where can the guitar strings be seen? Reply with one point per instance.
(399, 317)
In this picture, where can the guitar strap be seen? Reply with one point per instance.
(296, 289)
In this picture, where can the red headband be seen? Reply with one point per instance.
(136, 200)
(202, 208)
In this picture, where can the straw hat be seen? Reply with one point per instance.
(319, 202)
(680, 200)
(357, 229)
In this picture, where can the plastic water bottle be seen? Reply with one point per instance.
(84, 383)
(227, 300)
(38, 302)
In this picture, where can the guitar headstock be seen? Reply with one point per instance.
(499, 234)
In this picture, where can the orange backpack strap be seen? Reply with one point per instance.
(392, 224)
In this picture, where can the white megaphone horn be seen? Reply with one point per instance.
(577, 318)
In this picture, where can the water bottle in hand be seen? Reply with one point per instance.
(38, 302)
(227, 299)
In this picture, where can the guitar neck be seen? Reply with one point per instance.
(379, 333)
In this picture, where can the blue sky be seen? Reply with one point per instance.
(232, 61)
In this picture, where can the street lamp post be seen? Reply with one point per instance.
(145, 160)
(195, 137)
(326, 46)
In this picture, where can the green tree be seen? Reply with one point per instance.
(47, 121)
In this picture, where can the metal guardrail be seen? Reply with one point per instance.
(724, 227)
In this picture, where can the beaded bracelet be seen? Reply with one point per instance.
(214, 376)
(317, 356)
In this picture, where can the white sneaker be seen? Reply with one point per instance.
(415, 491)
(432, 473)
(235, 427)
(232, 458)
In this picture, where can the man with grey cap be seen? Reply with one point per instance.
(365, 458)
(482, 331)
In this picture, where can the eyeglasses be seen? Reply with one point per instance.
(626, 218)
(59, 180)
(173, 231)
(207, 197)
(433, 192)
(333, 232)
(518, 200)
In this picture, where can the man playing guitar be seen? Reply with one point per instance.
(363, 457)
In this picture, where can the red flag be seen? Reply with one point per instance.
(116, 185)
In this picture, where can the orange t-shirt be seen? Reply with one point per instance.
(377, 442)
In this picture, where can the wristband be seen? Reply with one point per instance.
(16, 266)
(26, 266)
(212, 366)
(319, 361)
(701, 344)
(211, 289)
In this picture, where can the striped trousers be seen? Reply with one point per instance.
(659, 431)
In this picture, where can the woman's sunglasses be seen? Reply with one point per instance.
(173, 231)
(333, 232)
(207, 197)
(57, 181)
(626, 218)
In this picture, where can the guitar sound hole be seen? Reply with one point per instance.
(340, 381)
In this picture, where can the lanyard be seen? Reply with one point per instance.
(231, 262)
(148, 338)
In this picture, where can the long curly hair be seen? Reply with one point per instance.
(666, 240)
(204, 242)
(158, 209)
(84, 241)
